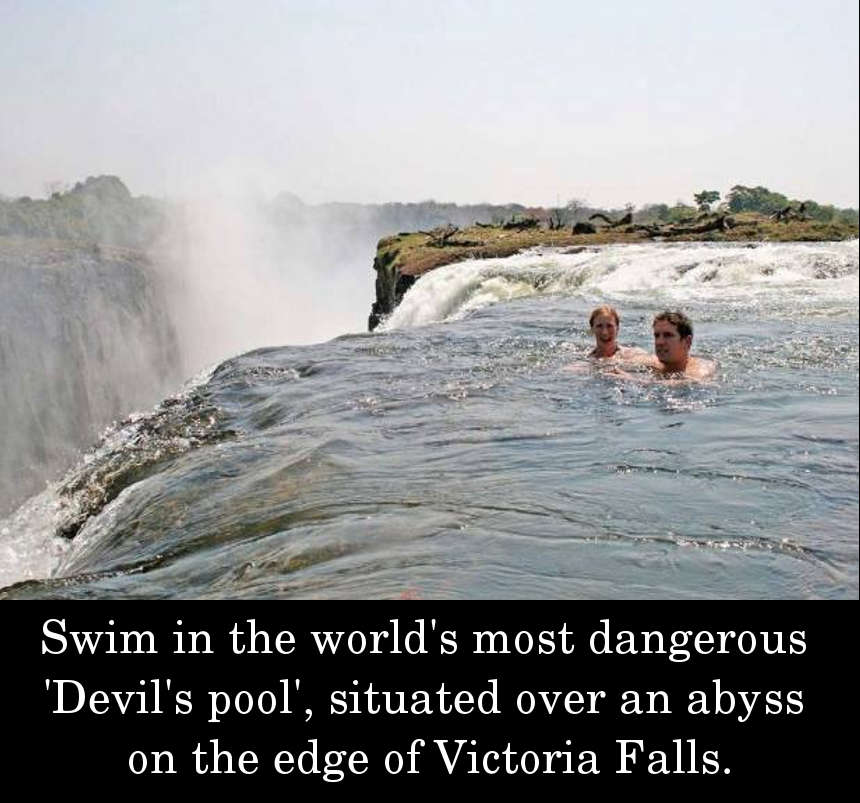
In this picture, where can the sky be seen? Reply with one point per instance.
(373, 101)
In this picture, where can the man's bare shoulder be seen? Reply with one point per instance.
(697, 370)
(700, 369)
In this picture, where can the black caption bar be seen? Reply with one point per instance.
(363, 697)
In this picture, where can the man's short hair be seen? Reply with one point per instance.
(680, 321)
(604, 309)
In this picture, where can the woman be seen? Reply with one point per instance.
(604, 323)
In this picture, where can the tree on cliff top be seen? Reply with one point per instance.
(577, 209)
(755, 199)
(705, 198)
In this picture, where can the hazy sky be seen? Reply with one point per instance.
(371, 101)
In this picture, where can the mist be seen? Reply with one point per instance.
(107, 312)
(235, 280)
(85, 339)
(112, 301)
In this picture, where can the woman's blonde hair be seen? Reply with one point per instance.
(604, 309)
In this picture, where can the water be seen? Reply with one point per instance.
(466, 450)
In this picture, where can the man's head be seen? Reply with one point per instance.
(673, 336)
(604, 323)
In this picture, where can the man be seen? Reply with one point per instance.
(673, 337)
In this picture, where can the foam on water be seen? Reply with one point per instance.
(810, 273)
(29, 543)
(28, 547)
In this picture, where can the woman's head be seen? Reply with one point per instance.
(604, 310)
(604, 324)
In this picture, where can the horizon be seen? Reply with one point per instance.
(365, 102)
(687, 201)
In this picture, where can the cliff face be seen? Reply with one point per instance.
(84, 339)
(402, 259)
(391, 284)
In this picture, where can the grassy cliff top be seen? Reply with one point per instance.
(414, 253)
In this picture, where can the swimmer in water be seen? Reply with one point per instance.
(673, 337)
(604, 323)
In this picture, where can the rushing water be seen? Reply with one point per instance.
(468, 450)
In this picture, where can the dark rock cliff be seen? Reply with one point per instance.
(391, 285)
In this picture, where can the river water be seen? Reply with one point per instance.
(468, 450)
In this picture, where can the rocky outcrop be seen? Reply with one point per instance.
(402, 259)
(391, 284)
